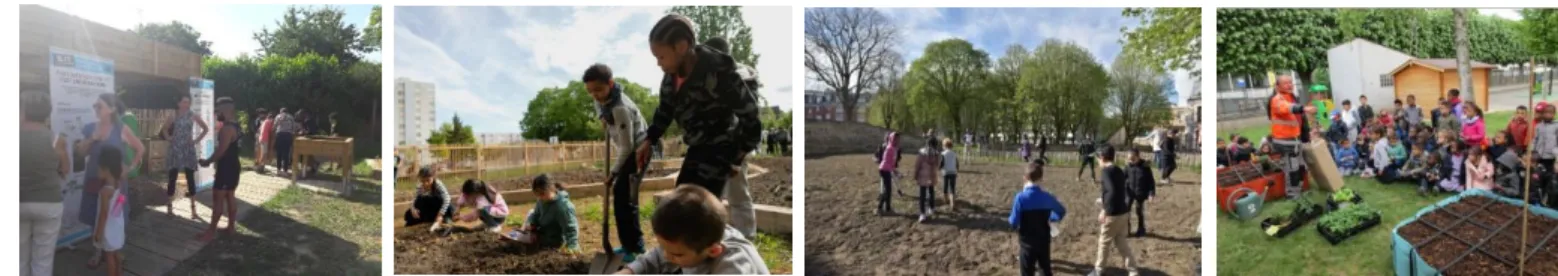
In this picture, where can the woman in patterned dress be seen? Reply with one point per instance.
(181, 150)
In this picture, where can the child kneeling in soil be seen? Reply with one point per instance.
(489, 205)
(696, 239)
(432, 204)
(1033, 210)
(551, 223)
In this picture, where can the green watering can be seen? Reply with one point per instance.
(1246, 202)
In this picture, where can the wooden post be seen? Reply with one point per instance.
(480, 162)
(1525, 219)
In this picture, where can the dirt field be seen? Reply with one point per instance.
(465, 252)
(773, 188)
(844, 237)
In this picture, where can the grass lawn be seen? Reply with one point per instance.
(1243, 249)
(1495, 122)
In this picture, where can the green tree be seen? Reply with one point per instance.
(455, 132)
(1063, 89)
(849, 51)
(1539, 29)
(1167, 36)
(1002, 86)
(175, 33)
(569, 112)
(1137, 95)
(312, 30)
(942, 78)
(1254, 41)
(372, 35)
(321, 85)
(722, 21)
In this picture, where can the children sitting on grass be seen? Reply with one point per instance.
(695, 238)
(551, 223)
(487, 203)
(1415, 167)
(1544, 145)
(1433, 172)
(1454, 170)
(1479, 172)
(1033, 209)
(1473, 131)
(1347, 158)
(432, 203)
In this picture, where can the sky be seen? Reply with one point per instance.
(229, 27)
(487, 63)
(993, 29)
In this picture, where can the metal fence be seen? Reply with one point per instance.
(1514, 77)
(1234, 109)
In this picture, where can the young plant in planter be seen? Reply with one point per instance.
(1343, 198)
(1347, 222)
(1287, 220)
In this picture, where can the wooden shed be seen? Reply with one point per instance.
(148, 72)
(1430, 79)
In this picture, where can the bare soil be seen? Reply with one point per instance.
(466, 251)
(774, 187)
(845, 237)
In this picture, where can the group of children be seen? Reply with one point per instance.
(712, 98)
(1449, 150)
(937, 163)
(1034, 210)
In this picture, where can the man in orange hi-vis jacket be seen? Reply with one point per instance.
(1289, 132)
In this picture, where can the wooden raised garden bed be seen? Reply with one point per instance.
(1476, 234)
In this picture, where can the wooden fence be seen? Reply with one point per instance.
(479, 160)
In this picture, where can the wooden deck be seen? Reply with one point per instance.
(155, 241)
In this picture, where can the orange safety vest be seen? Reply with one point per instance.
(1284, 124)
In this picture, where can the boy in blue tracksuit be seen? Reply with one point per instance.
(1032, 211)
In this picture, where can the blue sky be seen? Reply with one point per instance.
(229, 27)
(993, 29)
(487, 63)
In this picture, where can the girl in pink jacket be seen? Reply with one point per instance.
(1473, 131)
(1479, 170)
(887, 165)
(487, 202)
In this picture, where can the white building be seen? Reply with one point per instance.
(1363, 68)
(414, 111)
(500, 138)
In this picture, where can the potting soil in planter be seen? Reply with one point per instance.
(1474, 233)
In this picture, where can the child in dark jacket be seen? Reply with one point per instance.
(1033, 209)
(1143, 188)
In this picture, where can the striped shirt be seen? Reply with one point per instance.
(285, 124)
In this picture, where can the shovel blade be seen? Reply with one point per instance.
(605, 263)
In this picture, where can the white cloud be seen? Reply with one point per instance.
(512, 52)
(229, 27)
(1511, 14)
